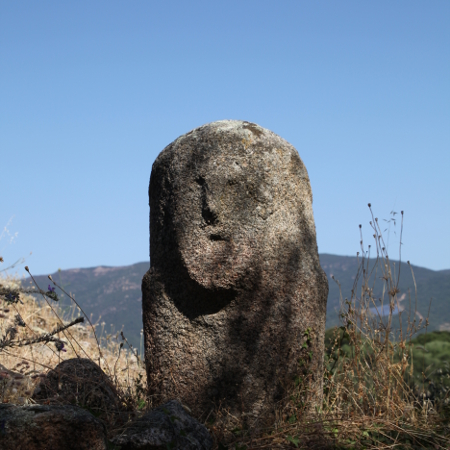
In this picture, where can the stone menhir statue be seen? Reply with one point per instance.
(235, 280)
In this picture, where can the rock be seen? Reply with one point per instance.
(50, 427)
(168, 426)
(80, 382)
(15, 386)
(235, 298)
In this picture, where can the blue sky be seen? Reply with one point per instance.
(92, 91)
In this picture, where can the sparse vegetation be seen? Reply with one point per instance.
(35, 336)
(384, 387)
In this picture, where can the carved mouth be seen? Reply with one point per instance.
(218, 237)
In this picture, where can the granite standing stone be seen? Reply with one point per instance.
(235, 280)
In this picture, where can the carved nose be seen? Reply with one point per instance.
(209, 214)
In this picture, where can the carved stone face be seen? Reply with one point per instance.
(220, 235)
(237, 198)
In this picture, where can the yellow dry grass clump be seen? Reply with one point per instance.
(29, 319)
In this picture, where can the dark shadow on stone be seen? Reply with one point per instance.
(246, 329)
(200, 304)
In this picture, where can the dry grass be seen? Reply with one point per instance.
(369, 402)
(31, 319)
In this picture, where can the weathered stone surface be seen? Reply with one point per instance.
(235, 279)
(168, 426)
(81, 382)
(50, 427)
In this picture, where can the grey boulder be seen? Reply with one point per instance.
(168, 426)
(81, 382)
(50, 427)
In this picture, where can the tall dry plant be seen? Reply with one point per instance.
(369, 401)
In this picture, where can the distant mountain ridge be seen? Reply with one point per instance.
(113, 294)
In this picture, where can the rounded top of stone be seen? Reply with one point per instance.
(241, 128)
(234, 125)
